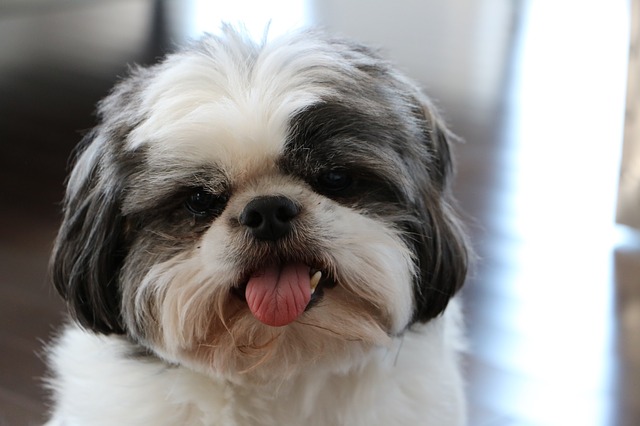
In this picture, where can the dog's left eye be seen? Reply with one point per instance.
(335, 181)
(203, 203)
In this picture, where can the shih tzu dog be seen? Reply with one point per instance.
(261, 234)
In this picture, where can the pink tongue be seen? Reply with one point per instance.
(279, 294)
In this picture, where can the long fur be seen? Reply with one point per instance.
(163, 335)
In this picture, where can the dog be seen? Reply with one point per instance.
(261, 233)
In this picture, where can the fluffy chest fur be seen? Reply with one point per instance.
(415, 381)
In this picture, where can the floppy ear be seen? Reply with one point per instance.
(439, 241)
(89, 248)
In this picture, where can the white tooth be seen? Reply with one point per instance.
(315, 279)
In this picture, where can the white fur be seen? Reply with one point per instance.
(414, 382)
(197, 105)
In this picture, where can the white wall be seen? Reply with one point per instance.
(456, 49)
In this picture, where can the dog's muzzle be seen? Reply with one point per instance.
(282, 287)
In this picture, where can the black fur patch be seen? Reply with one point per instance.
(401, 165)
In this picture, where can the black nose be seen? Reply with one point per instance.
(269, 218)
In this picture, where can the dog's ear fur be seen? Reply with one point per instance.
(439, 240)
(89, 249)
(91, 244)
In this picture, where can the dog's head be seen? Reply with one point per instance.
(245, 207)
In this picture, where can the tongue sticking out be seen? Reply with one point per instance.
(278, 294)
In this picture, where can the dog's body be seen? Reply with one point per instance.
(414, 381)
(261, 235)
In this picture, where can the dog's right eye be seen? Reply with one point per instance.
(203, 203)
(335, 181)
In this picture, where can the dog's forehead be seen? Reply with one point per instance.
(226, 104)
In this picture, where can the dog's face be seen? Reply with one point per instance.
(246, 208)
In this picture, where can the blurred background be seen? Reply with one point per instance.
(544, 93)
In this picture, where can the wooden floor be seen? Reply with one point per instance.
(552, 304)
